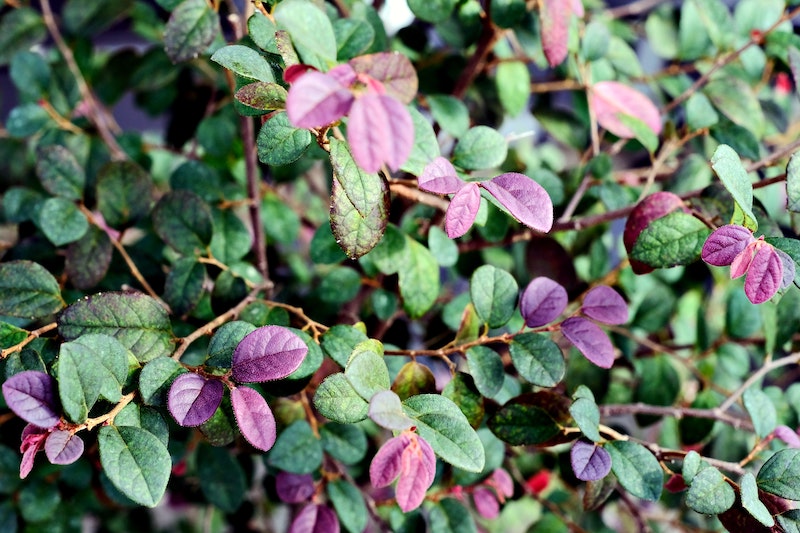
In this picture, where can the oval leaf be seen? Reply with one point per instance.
(418, 468)
(267, 354)
(440, 177)
(191, 28)
(542, 301)
(385, 466)
(637, 470)
(525, 199)
(316, 100)
(32, 396)
(28, 290)
(462, 210)
(494, 294)
(386, 410)
(393, 70)
(554, 16)
(725, 243)
(780, 475)
(610, 99)
(537, 359)
(589, 461)
(315, 519)
(63, 447)
(254, 418)
(765, 275)
(380, 130)
(605, 305)
(590, 340)
(294, 488)
(192, 399)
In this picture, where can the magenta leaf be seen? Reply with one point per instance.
(294, 488)
(267, 353)
(439, 176)
(486, 502)
(787, 435)
(192, 399)
(32, 396)
(314, 518)
(417, 471)
(609, 99)
(589, 461)
(316, 100)
(524, 198)
(344, 74)
(542, 301)
(741, 263)
(63, 447)
(380, 130)
(254, 417)
(502, 482)
(590, 340)
(462, 210)
(393, 70)
(765, 275)
(554, 16)
(725, 243)
(386, 464)
(33, 438)
(605, 305)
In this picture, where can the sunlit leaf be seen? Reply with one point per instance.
(267, 354)
(525, 199)
(193, 399)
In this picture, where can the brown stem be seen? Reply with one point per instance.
(254, 192)
(35, 334)
(675, 412)
(634, 8)
(107, 418)
(486, 42)
(791, 359)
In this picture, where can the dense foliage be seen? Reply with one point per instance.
(512, 266)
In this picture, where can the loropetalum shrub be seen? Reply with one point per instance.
(508, 266)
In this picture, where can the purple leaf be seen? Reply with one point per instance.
(765, 275)
(32, 396)
(386, 410)
(725, 243)
(33, 438)
(589, 461)
(63, 447)
(590, 340)
(417, 471)
(192, 399)
(315, 519)
(393, 70)
(787, 435)
(462, 210)
(486, 503)
(542, 301)
(266, 354)
(605, 305)
(439, 176)
(386, 464)
(554, 16)
(788, 268)
(502, 482)
(316, 100)
(294, 488)
(609, 99)
(524, 198)
(254, 417)
(380, 130)
(344, 74)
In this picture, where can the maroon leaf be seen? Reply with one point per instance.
(293, 72)
(605, 305)
(32, 396)
(651, 208)
(462, 210)
(486, 502)
(524, 198)
(554, 16)
(589, 461)
(380, 130)
(725, 243)
(192, 399)
(63, 447)
(787, 435)
(315, 519)
(542, 301)
(267, 353)
(294, 488)
(393, 70)
(386, 464)
(675, 484)
(609, 99)
(254, 417)
(33, 438)
(439, 176)
(765, 275)
(418, 468)
(590, 340)
(316, 100)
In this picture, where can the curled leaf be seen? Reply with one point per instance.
(417, 471)
(462, 210)
(525, 199)
(610, 99)
(192, 399)
(605, 305)
(542, 301)
(590, 340)
(32, 396)
(267, 354)
(725, 243)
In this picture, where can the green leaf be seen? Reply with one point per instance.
(736, 100)
(780, 475)
(462, 392)
(20, 29)
(136, 462)
(61, 221)
(731, 172)
(533, 418)
(486, 367)
(709, 493)
(413, 378)
(349, 505)
(337, 400)
(263, 96)
(344, 442)
(479, 148)
(641, 131)
(793, 183)
(297, 450)
(675, 239)
(261, 30)
(339, 285)
(11, 335)
(191, 28)
(388, 254)
(432, 10)
(359, 203)
(662, 33)
(693, 40)
(245, 62)
(38, 501)
(91, 366)
(184, 285)
(146, 418)
(426, 147)
(123, 193)
(636, 468)
(231, 239)
(221, 477)
(280, 143)
(26, 120)
(340, 341)
(507, 13)
(513, 81)
(366, 371)
(586, 413)
(761, 410)
(444, 249)
(281, 222)
(418, 279)
(184, 221)
(494, 294)
(156, 377)
(88, 258)
(450, 113)
(353, 37)
(700, 113)
(311, 32)
(134, 319)
(450, 516)
(60, 173)
(692, 463)
(596, 39)
(440, 422)
(28, 290)
(537, 359)
(790, 520)
(658, 382)
(751, 502)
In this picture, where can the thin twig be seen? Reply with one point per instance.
(736, 422)
(489, 36)
(35, 334)
(791, 359)
(107, 418)
(634, 8)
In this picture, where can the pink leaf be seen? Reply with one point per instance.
(417, 470)
(254, 417)
(266, 354)
(33, 439)
(742, 262)
(486, 503)
(542, 301)
(386, 464)
(590, 340)
(765, 275)
(609, 99)
(577, 7)
(316, 100)
(393, 70)
(344, 74)
(32, 396)
(315, 519)
(725, 243)
(294, 488)
(787, 435)
(554, 16)
(380, 130)
(524, 198)
(192, 399)
(462, 210)
(589, 461)
(439, 176)
(501, 480)
(605, 305)
(63, 447)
